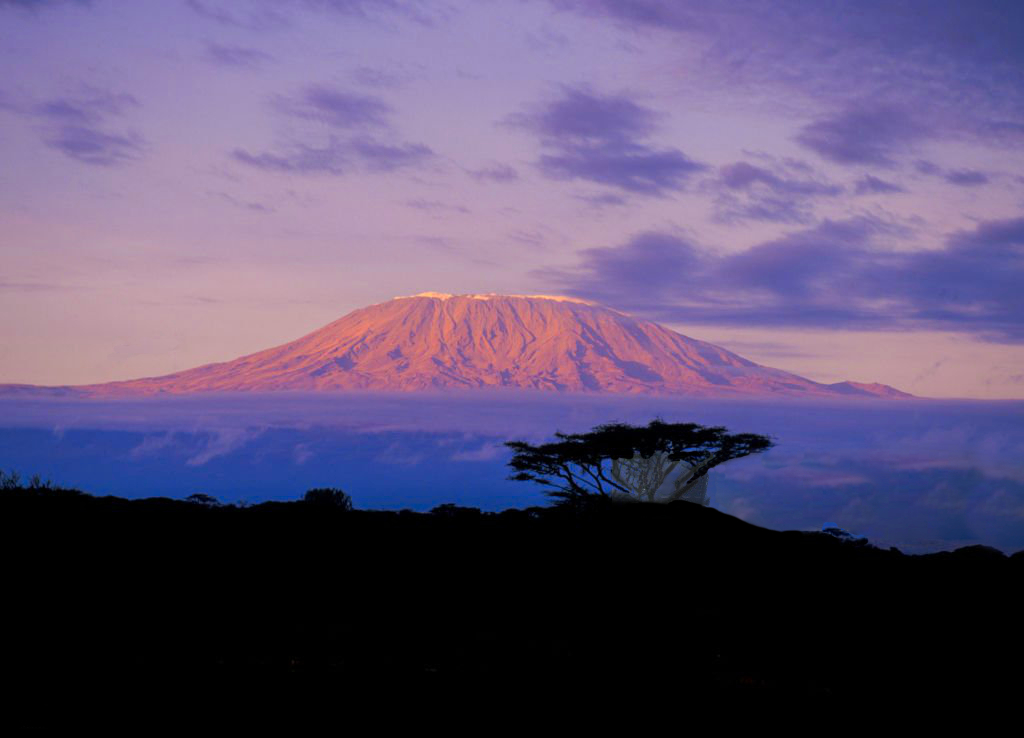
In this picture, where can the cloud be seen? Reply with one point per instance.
(90, 108)
(222, 442)
(383, 157)
(869, 185)
(251, 17)
(838, 275)
(730, 210)
(966, 178)
(547, 41)
(33, 286)
(630, 167)
(956, 64)
(486, 452)
(958, 177)
(603, 200)
(93, 146)
(240, 57)
(32, 5)
(651, 264)
(420, 11)
(863, 135)
(749, 192)
(337, 108)
(583, 117)
(337, 157)
(495, 173)
(744, 176)
(198, 447)
(300, 159)
(333, 110)
(435, 206)
(79, 126)
(600, 138)
(663, 15)
(263, 15)
(256, 207)
(301, 454)
(378, 78)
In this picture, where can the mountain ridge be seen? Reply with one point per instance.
(439, 341)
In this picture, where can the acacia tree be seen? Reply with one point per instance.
(618, 459)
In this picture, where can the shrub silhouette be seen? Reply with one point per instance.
(451, 510)
(328, 497)
(12, 480)
(202, 499)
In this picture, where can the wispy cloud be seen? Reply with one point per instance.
(239, 57)
(422, 11)
(750, 192)
(958, 177)
(379, 79)
(435, 206)
(869, 185)
(248, 15)
(82, 126)
(263, 15)
(255, 207)
(495, 173)
(299, 158)
(603, 200)
(603, 139)
(335, 110)
(33, 286)
(222, 442)
(872, 135)
(385, 157)
(93, 146)
(40, 4)
(967, 177)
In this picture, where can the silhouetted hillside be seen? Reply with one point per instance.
(162, 610)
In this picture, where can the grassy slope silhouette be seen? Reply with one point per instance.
(162, 609)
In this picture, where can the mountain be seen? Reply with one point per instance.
(438, 341)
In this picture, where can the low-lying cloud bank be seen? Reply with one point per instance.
(922, 476)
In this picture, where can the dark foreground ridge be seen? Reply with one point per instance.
(164, 610)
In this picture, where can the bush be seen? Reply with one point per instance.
(328, 497)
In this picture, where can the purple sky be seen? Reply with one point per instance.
(837, 193)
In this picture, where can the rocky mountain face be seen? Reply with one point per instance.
(437, 341)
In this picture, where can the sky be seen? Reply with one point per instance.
(835, 189)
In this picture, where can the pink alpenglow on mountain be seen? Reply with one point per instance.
(435, 341)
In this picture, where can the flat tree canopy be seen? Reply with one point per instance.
(583, 465)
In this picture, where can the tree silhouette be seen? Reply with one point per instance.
(617, 460)
(328, 497)
(203, 499)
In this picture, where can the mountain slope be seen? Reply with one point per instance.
(435, 341)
